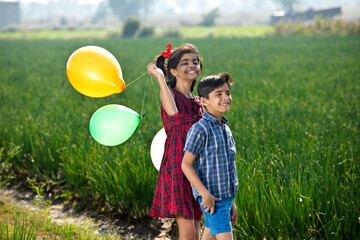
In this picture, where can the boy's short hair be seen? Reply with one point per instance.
(210, 83)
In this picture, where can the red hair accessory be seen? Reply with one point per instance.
(168, 51)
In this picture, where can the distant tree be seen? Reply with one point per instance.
(127, 8)
(131, 26)
(63, 21)
(146, 31)
(288, 5)
(210, 17)
(102, 12)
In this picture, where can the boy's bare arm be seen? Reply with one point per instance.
(234, 214)
(189, 171)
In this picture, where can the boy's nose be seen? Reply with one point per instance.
(226, 97)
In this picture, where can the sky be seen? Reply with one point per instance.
(46, 1)
(235, 10)
(215, 2)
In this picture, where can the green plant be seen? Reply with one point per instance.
(38, 188)
(21, 230)
(6, 167)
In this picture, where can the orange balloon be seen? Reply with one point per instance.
(95, 72)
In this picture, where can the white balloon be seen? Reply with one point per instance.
(157, 148)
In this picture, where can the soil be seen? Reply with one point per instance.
(141, 228)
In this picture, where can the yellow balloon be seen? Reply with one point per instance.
(95, 72)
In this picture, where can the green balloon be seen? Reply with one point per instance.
(113, 124)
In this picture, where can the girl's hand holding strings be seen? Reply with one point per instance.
(155, 71)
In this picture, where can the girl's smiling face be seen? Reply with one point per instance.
(188, 67)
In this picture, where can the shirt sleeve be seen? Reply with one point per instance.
(195, 140)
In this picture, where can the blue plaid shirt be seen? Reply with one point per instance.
(212, 143)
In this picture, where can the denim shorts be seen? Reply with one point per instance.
(220, 221)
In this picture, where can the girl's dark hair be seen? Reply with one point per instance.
(210, 83)
(174, 60)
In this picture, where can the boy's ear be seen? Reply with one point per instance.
(203, 101)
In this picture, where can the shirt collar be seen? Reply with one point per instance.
(207, 116)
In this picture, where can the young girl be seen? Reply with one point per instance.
(179, 111)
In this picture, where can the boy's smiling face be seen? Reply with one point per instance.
(219, 101)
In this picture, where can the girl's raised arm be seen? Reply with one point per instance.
(166, 96)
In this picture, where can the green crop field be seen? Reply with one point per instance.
(295, 118)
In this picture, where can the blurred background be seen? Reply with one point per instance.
(105, 14)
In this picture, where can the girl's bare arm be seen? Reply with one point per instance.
(166, 96)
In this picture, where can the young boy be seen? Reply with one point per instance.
(209, 158)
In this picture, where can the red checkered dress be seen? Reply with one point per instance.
(173, 194)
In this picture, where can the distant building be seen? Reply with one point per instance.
(305, 16)
(9, 13)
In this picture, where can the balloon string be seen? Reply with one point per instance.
(135, 79)
(157, 100)
(152, 83)
(142, 107)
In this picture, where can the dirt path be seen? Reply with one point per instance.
(145, 228)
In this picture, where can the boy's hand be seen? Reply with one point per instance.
(208, 202)
(155, 71)
(233, 214)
